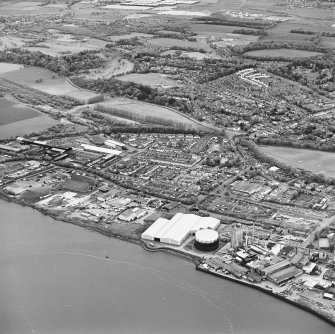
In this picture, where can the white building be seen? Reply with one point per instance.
(100, 149)
(176, 230)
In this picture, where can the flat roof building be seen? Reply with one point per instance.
(177, 229)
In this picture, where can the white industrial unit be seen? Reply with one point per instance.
(176, 230)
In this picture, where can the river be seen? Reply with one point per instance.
(55, 278)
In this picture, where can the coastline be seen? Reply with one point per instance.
(195, 260)
(292, 302)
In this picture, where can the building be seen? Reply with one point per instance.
(236, 237)
(275, 267)
(177, 229)
(282, 276)
(206, 240)
(132, 214)
(100, 149)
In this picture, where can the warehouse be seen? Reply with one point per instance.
(177, 229)
(100, 149)
(282, 276)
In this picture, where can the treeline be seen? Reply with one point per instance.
(142, 118)
(115, 87)
(261, 156)
(250, 32)
(235, 22)
(283, 45)
(318, 146)
(308, 32)
(64, 65)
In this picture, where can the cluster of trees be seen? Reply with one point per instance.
(217, 20)
(308, 32)
(64, 65)
(141, 118)
(35, 97)
(264, 45)
(133, 90)
(250, 32)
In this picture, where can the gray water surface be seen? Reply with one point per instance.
(55, 278)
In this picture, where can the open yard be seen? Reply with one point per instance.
(11, 111)
(150, 79)
(286, 53)
(314, 161)
(146, 112)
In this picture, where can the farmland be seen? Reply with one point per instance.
(48, 82)
(311, 160)
(11, 111)
(141, 111)
(285, 53)
(26, 126)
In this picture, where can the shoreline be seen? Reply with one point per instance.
(292, 302)
(195, 260)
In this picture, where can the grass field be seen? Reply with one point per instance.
(116, 66)
(314, 161)
(287, 53)
(141, 111)
(11, 111)
(150, 79)
(51, 83)
(26, 126)
(7, 67)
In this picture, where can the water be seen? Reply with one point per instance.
(55, 278)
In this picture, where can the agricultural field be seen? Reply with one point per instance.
(140, 111)
(11, 111)
(48, 82)
(150, 79)
(286, 53)
(68, 44)
(10, 41)
(26, 126)
(116, 66)
(41, 79)
(171, 42)
(311, 160)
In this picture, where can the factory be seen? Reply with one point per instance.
(176, 230)
(100, 149)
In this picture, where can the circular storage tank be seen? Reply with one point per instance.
(206, 240)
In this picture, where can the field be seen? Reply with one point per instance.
(146, 112)
(48, 82)
(67, 44)
(236, 39)
(11, 111)
(286, 53)
(116, 66)
(314, 161)
(150, 79)
(7, 67)
(171, 42)
(26, 126)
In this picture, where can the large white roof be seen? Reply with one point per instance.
(176, 230)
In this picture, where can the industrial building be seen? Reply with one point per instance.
(177, 229)
(206, 240)
(100, 149)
